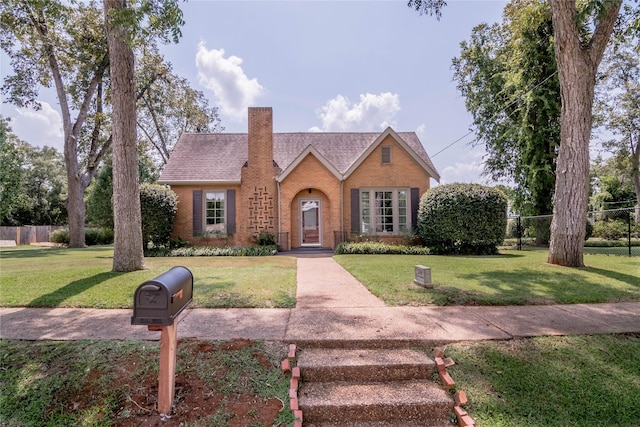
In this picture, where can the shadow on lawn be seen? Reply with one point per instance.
(528, 286)
(39, 252)
(55, 298)
(627, 278)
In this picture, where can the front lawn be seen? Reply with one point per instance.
(513, 277)
(61, 277)
(550, 381)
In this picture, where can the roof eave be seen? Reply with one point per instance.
(309, 150)
(390, 132)
(198, 182)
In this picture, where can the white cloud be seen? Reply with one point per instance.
(468, 169)
(39, 127)
(462, 172)
(226, 78)
(372, 113)
(421, 130)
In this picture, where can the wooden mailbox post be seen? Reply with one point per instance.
(157, 303)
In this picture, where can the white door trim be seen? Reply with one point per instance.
(318, 207)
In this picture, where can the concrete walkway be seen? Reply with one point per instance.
(332, 307)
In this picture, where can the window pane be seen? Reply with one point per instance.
(384, 211)
(214, 211)
(402, 211)
(365, 222)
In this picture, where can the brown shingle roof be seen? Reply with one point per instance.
(219, 157)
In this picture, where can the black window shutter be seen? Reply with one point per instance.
(231, 211)
(197, 212)
(415, 203)
(355, 210)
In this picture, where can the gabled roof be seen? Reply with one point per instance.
(200, 158)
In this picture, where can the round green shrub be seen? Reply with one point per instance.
(463, 219)
(158, 207)
(610, 230)
(60, 236)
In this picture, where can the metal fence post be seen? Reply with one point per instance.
(629, 231)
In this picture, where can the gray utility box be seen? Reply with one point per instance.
(422, 276)
(159, 301)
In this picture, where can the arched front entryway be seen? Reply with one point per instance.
(309, 216)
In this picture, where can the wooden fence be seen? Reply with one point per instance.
(28, 234)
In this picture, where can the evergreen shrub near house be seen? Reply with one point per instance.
(468, 219)
(158, 207)
(379, 248)
(224, 251)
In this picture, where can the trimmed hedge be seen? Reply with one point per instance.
(463, 219)
(92, 236)
(224, 251)
(378, 248)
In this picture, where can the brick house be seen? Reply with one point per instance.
(305, 189)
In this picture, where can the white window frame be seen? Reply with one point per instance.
(217, 228)
(369, 212)
(301, 203)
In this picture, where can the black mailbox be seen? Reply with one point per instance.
(159, 301)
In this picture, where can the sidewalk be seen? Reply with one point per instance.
(332, 307)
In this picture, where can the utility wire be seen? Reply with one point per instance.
(496, 114)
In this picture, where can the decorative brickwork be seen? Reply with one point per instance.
(261, 206)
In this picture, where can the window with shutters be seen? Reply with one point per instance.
(384, 211)
(214, 211)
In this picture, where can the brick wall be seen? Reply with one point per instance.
(403, 171)
(183, 224)
(310, 174)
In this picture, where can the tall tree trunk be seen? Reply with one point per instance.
(75, 204)
(127, 252)
(577, 67)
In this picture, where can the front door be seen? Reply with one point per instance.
(310, 222)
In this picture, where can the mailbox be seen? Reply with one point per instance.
(160, 300)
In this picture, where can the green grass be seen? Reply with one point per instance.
(513, 277)
(550, 381)
(60, 277)
(115, 382)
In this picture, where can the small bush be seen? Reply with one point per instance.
(378, 248)
(92, 236)
(610, 230)
(463, 219)
(60, 236)
(265, 238)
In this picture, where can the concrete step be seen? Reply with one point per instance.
(317, 364)
(351, 344)
(403, 402)
(446, 423)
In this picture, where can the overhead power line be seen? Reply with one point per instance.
(495, 115)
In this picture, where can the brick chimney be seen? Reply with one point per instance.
(261, 139)
(259, 190)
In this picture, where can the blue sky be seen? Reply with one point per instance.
(322, 66)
